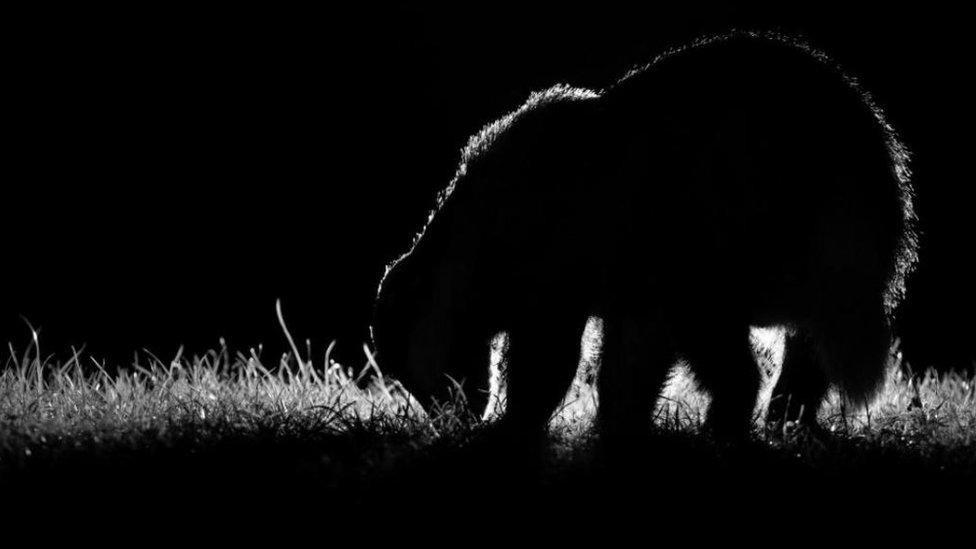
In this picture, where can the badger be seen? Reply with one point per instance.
(742, 180)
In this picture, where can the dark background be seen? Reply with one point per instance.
(168, 175)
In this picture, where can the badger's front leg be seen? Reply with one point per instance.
(542, 358)
(634, 363)
(720, 355)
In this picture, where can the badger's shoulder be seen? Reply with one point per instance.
(477, 148)
(491, 134)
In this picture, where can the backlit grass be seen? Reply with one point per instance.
(228, 420)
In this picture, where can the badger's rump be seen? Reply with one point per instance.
(761, 154)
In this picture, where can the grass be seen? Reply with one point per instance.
(215, 429)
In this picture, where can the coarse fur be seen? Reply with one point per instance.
(741, 180)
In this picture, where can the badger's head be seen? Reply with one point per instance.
(395, 317)
(414, 332)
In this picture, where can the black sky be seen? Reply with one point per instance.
(168, 175)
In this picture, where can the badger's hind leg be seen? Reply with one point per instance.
(720, 355)
(854, 345)
(802, 384)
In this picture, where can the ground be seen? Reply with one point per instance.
(224, 432)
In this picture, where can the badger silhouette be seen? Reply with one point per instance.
(741, 180)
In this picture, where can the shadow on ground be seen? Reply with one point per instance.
(362, 479)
